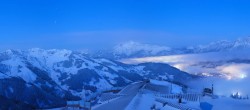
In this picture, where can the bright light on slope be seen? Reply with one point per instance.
(180, 66)
(243, 76)
(235, 70)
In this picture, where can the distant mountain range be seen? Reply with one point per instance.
(133, 49)
(38, 78)
(227, 59)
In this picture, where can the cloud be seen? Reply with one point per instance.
(206, 63)
(236, 74)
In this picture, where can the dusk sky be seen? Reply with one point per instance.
(97, 24)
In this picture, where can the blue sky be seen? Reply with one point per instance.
(97, 24)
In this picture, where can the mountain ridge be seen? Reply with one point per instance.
(60, 75)
(132, 49)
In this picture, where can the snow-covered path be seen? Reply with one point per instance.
(122, 102)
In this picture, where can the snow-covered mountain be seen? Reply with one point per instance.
(227, 59)
(224, 45)
(48, 78)
(133, 49)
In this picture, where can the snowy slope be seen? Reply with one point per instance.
(227, 103)
(146, 99)
(66, 75)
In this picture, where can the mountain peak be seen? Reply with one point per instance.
(132, 47)
(242, 42)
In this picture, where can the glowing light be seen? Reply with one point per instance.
(180, 66)
(242, 76)
(235, 71)
(229, 77)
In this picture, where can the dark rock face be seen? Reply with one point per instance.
(11, 104)
(76, 81)
(38, 97)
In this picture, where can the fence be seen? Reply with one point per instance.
(188, 97)
(175, 105)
